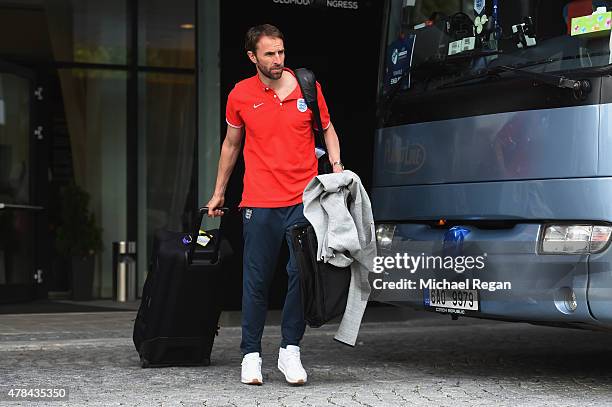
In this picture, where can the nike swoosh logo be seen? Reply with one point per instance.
(256, 106)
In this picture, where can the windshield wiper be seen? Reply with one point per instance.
(579, 87)
(559, 81)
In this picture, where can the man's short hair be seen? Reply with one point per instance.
(255, 33)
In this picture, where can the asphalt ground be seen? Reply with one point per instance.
(403, 358)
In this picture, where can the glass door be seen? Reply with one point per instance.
(20, 274)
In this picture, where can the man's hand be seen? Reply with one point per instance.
(215, 202)
(337, 168)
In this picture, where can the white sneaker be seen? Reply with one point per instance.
(290, 364)
(251, 369)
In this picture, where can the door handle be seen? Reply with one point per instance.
(17, 206)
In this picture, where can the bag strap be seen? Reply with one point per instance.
(308, 85)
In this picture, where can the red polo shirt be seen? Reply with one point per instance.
(279, 144)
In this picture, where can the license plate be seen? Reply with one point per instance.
(452, 299)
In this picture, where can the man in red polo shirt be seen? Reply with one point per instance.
(279, 162)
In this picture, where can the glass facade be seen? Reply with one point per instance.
(14, 139)
(166, 37)
(166, 146)
(91, 98)
(117, 82)
(88, 31)
(16, 226)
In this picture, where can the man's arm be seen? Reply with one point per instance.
(229, 154)
(333, 147)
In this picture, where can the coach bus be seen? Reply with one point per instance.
(494, 142)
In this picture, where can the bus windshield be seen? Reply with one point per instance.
(431, 43)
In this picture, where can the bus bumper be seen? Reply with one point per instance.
(517, 283)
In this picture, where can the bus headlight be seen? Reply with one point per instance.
(575, 239)
(384, 234)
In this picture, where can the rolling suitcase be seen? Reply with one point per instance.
(178, 315)
(324, 286)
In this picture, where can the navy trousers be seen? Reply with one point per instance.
(264, 230)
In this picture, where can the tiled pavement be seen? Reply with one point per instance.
(423, 360)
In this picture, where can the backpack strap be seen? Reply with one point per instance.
(308, 85)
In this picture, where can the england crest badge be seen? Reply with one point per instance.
(301, 105)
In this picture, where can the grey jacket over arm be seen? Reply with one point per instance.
(340, 212)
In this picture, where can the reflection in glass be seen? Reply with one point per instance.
(432, 43)
(88, 30)
(95, 103)
(166, 34)
(16, 246)
(16, 226)
(166, 148)
(14, 139)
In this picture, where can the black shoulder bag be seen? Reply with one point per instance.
(324, 287)
(307, 81)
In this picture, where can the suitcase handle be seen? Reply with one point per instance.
(196, 231)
